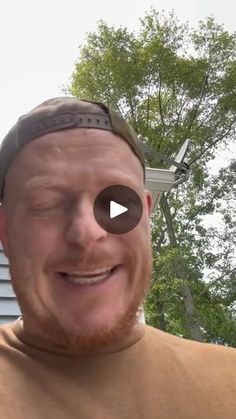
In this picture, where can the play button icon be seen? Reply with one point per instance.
(118, 209)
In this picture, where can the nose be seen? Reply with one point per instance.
(83, 229)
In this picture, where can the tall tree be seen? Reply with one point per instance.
(172, 83)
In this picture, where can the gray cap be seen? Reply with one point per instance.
(64, 113)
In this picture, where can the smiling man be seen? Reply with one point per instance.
(79, 351)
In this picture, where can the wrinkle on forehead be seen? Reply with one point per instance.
(86, 140)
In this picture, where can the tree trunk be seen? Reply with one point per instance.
(194, 331)
(160, 316)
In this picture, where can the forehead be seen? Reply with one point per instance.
(90, 153)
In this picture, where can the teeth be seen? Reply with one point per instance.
(87, 280)
(89, 274)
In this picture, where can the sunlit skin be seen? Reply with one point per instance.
(47, 226)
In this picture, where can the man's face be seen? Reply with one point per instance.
(50, 235)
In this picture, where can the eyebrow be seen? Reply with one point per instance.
(42, 183)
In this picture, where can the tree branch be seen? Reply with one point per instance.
(210, 145)
(160, 102)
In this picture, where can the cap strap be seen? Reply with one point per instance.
(43, 126)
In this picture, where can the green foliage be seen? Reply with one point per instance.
(172, 82)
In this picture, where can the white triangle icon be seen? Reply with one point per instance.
(116, 209)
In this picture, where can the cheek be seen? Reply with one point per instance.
(138, 245)
(32, 247)
(30, 239)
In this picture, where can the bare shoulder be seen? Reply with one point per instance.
(189, 352)
(5, 335)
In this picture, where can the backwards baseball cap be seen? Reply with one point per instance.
(64, 113)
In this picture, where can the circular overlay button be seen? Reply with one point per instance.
(118, 209)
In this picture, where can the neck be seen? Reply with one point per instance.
(83, 346)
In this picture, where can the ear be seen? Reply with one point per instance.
(149, 201)
(4, 230)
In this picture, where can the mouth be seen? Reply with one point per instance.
(80, 279)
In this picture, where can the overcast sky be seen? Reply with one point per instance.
(39, 41)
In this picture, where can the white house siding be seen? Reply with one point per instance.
(9, 309)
